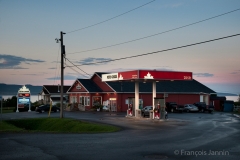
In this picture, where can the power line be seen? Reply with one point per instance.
(158, 51)
(111, 18)
(78, 68)
(76, 71)
(157, 33)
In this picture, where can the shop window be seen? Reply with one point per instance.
(73, 99)
(97, 100)
(84, 100)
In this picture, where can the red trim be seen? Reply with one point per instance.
(164, 75)
(154, 75)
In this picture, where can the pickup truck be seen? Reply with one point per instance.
(202, 107)
(174, 107)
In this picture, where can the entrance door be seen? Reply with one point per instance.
(113, 105)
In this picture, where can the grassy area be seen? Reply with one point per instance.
(7, 109)
(4, 126)
(55, 125)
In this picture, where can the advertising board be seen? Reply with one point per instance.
(147, 74)
(165, 75)
(110, 77)
(23, 100)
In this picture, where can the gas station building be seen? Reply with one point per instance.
(139, 88)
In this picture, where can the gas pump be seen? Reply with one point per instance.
(159, 110)
(140, 104)
(131, 107)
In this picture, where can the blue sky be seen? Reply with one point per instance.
(30, 55)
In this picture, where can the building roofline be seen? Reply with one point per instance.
(77, 80)
(46, 89)
(103, 81)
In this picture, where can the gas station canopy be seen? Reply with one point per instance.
(147, 75)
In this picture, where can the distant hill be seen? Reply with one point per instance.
(12, 89)
(226, 94)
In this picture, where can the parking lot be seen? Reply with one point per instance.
(182, 136)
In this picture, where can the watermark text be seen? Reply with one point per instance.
(183, 152)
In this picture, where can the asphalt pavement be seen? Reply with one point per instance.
(182, 136)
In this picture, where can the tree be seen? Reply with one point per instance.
(10, 102)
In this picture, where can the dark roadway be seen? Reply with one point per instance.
(182, 136)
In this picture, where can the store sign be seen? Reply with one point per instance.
(23, 100)
(128, 75)
(20, 105)
(164, 75)
(78, 87)
(110, 77)
(23, 95)
(147, 74)
(23, 91)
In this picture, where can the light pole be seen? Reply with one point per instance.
(62, 71)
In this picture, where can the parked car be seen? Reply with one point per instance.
(46, 108)
(174, 107)
(190, 108)
(202, 107)
(145, 111)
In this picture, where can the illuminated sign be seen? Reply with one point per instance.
(165, 75)
(21, 106)
(147, 74)
(110, 77)
(23, 95)
(23, 100)
(128, 75)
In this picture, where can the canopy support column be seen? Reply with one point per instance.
(136, 98)
(153, 94)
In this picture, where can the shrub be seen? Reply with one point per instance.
(95, 107)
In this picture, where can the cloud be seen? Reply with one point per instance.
(236, 72)
(12, 67)
(30, 74)
(203, 74)
(94, 60)
(13, 62)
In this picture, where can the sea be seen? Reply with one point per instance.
(232, 98)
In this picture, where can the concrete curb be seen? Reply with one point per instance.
(236, 115)
(156, 120)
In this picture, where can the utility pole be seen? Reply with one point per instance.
(62, 73)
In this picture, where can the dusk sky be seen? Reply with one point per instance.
(29, 53)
